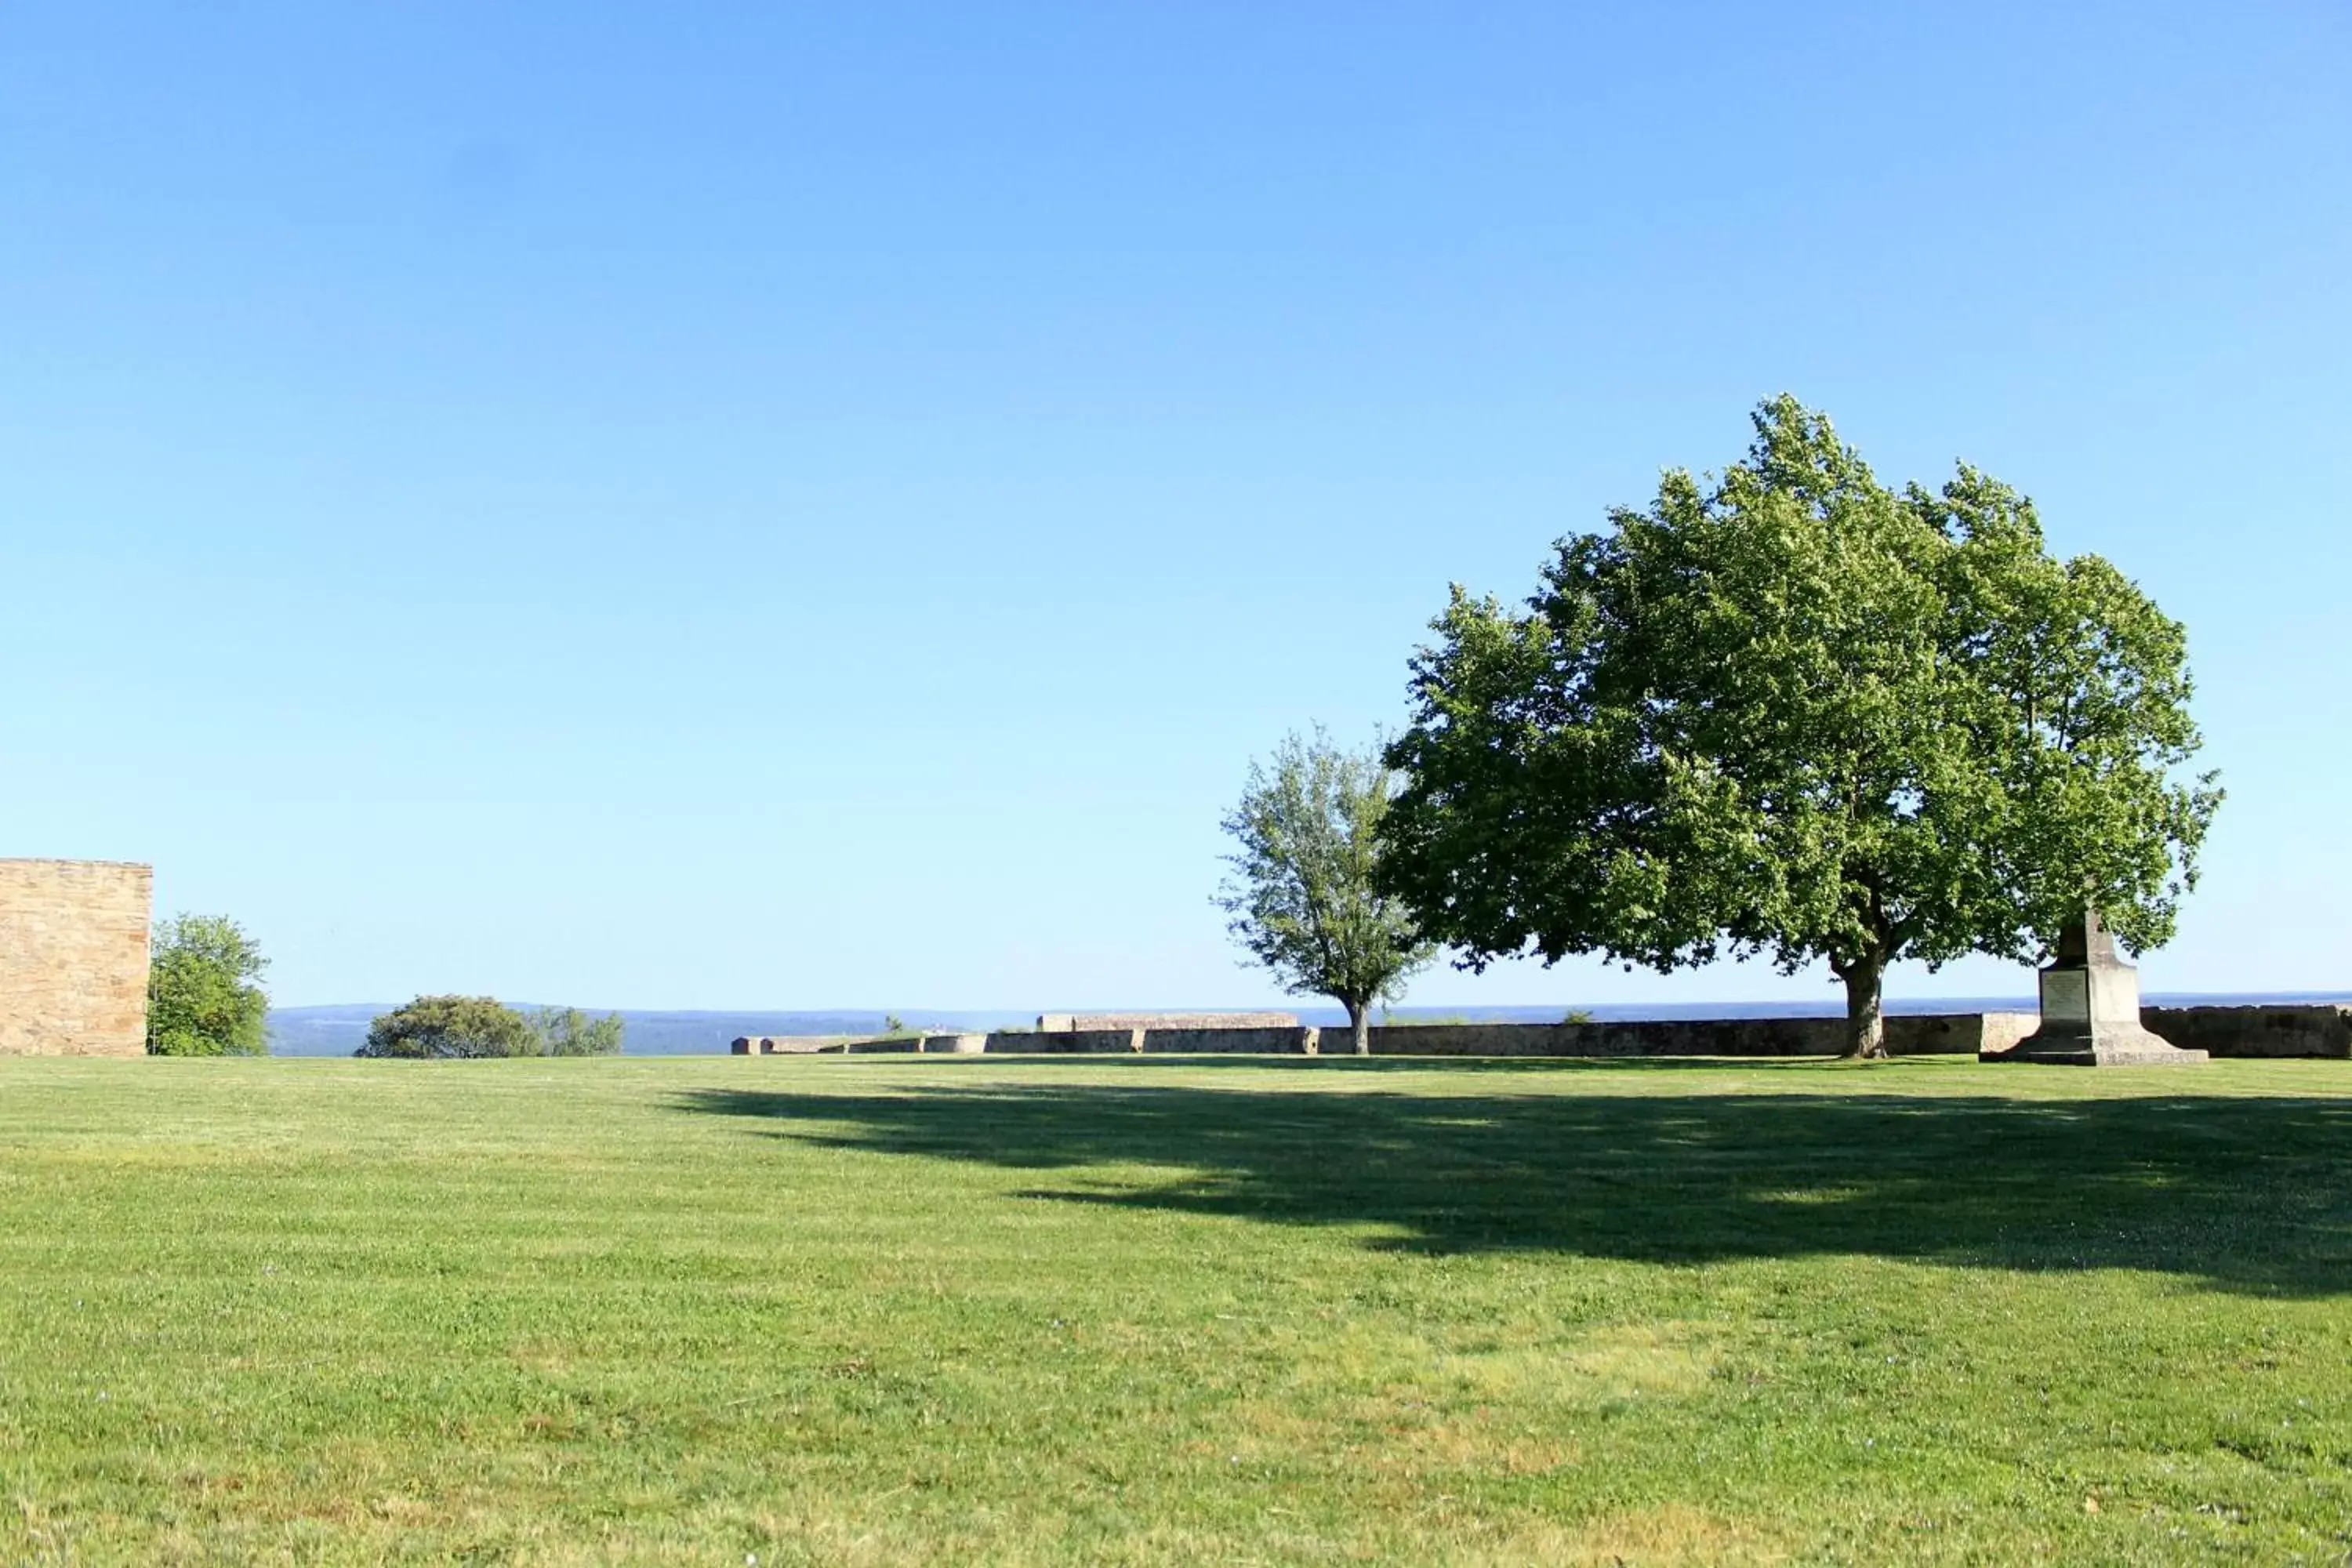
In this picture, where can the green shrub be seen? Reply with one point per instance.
(202, 995)
(452, 1026)
(569, 1032)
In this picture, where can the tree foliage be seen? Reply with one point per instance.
(452, 1026)
(203, 992)
(569, 1032)
(1791, 712)
(484, 1026)
(1302, 890)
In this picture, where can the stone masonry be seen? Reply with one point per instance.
(2323, 1029)
(73, 958)
(1064, 1023)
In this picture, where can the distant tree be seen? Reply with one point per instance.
(569, 1032)
(452, 1026)
(1793, 712)
(203, 992)
(1302, 890)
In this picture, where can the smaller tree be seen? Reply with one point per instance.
(569, 1032)
(1302, 891)
(204, 996)
(446, 1026)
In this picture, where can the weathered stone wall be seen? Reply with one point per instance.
(2002, 1031)
(2324, 1030)
(2310, 1031)
(1081, 1022)
(955, 1044)
(1065, 1042)
(1956, 1034)
(1942, 1034)
(885, 1045)
(73, 958)
(1287, 1040)
(788, 1045)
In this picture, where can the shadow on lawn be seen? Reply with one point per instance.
(2250, 1192)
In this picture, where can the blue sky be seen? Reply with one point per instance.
(762, 506)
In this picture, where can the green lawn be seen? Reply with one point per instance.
(1129, 1310)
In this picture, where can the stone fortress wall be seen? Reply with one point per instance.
(2321, 1030)
(73, 958)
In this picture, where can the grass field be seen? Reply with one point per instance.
(1271, 1311)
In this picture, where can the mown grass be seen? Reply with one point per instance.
(1151, 1311)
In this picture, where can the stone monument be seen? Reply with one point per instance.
(2090, 1009)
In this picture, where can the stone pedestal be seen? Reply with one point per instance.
(2090, 1009)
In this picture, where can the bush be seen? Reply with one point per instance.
(452, 1026)
(569, 1032)
(202, 995)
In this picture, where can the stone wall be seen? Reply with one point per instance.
(1957, 1034)
(788, 1045)
(1083, 1022)
(2308, 1031)
(73, 958)
(1947, 1034)
(1065, 1042)
(1283, 1040)
(2324, 1030)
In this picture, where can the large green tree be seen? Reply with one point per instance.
(203, 990)
(453, 1026)
(1302, 891)
(1791, 712)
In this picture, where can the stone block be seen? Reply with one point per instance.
(954, 1044)
(73, 957)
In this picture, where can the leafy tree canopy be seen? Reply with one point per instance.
(484, 1026)
(203, 992)
(452, 1026)
(569, 1032)
(1301, 890)
(1790, 711)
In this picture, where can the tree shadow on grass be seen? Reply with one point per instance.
(2245, 1193)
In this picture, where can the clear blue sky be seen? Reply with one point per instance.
(733, 505)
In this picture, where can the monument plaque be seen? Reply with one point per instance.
(2090, 1009)
(2066, 996)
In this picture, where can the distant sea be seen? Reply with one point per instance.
(338, 1030)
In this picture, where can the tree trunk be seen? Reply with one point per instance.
(1360, 1020)
(1865, 1025)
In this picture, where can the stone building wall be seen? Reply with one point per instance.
(73, 958)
